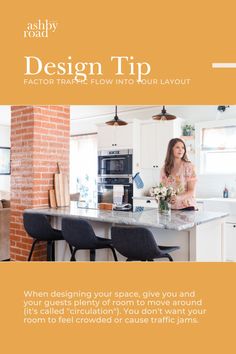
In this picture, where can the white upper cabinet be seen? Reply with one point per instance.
(155, 137)
(148, 146)
(113, 136)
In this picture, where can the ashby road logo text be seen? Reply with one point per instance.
(40, 29)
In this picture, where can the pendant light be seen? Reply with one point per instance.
(116, 120)
(163, 115)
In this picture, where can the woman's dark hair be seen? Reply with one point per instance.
(169, 161)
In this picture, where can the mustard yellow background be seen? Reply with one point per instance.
(178, 38)
(214, 282)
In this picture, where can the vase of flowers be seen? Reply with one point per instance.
(163, 206)
(163, 196)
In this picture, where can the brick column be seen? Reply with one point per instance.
(39, 138)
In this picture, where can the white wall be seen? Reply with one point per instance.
(4, 142)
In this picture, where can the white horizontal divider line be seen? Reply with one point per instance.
(223, 65)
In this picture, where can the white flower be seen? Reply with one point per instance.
(162, 192)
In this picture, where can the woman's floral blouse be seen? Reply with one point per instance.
(179, 182)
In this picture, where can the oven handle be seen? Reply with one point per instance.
(113, 158)
(111, 185)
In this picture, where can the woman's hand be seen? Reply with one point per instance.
(173, 199)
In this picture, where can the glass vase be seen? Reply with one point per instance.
(164, 207)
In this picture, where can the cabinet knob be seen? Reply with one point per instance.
(234, 225)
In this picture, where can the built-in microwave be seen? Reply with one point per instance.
(115, 163)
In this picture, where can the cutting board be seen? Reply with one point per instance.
(66, 190)
(52, 198)
(61, 186)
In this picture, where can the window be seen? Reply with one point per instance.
(83, 167)
(218, 150)
(219, 138)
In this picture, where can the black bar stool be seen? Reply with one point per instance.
(80, 235)
(38, 227)
(138, 244)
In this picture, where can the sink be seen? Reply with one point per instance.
(225, 200)
(227, 205)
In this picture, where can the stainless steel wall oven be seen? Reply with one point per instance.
(115, 163)
(106, 185)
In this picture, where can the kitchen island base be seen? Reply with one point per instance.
(202, 243)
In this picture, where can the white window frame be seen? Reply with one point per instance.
(198, 139)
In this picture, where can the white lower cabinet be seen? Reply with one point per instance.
(226, 205)
(230, 242)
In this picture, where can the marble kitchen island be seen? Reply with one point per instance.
(199, 234)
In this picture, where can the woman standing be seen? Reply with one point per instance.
(179, 173)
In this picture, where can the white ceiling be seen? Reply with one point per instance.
(85, 119)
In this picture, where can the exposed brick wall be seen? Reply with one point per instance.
(39, 138)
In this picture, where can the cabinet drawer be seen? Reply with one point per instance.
(147, 203)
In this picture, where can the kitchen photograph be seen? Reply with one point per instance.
(118, 183)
